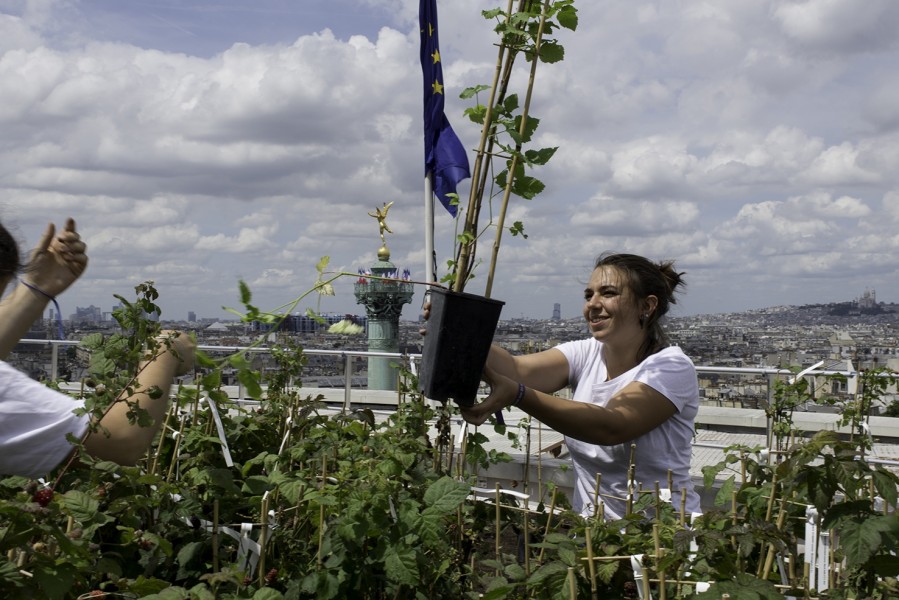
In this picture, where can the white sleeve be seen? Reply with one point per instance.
(671, 373)
(34, 422)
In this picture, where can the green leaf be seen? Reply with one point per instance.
(250, 381)
(567, 17)
(527, 187)
(429, 526)
(540, 157)
(472, 91)
(725, 493)
(189, 552)
(322, 264)
(446, 494)
(245, 294)
(268, 593)
(82, 507)
(886, 486)
(553, 569)
(55, 579)
(551, 52)
(861, 539)
(401, 566)
(510, 104)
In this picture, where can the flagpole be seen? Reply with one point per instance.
(430, 267)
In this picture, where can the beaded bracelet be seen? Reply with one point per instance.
(520, 395)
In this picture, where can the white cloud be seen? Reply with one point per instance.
(746, 139)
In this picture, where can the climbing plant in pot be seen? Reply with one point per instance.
(462, 324)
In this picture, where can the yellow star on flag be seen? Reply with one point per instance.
(436, 56)
(437, 87)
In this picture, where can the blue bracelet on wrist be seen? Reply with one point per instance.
(52, 299)
(520, 395)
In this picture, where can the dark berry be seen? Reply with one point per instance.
(271, 576)
(43, 496)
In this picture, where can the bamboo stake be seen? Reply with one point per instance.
(540, 461)
(215, 535)
(501, 219)
(263, 533)
(631, 471)
(590, 566)
(165, 425)
(527, 460)
(319, 560)
(769, 559)
(497, 530)
(572, 584)
(658, 546)
(527, 538)
(646, 591)
(549, 519)
(175, 451)
(596, 495)
(476, 192)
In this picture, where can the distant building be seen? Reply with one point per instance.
(557, 312)
(191, 316)
(868, 299)
(90, 314)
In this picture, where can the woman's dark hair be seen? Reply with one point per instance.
(647, 278)
(9, 254)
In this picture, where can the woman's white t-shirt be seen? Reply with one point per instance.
(34, 422)
(668, 446)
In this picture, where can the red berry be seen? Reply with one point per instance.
(43, 496)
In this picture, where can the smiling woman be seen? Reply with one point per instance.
(630, 422)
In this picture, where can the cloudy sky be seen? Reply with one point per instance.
(199, 142)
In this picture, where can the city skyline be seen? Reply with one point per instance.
(200, 143)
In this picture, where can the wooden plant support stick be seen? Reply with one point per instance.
(501, 218)
(263, 534)
(590, 566)
(733, 520)
(769, 558)
(527, 538)
(452, 451)
(657, 542)
(319, 560)
(658, 493)
(175, 450)
(165, 425)
(549, 519)
(646, 591)
(683, 507)
(596, 495)
(497, 531)
(478, 178)
(540, 461)
(631, 471)
(215, 535)
(572, 584)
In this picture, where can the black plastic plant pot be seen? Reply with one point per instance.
(459, 333)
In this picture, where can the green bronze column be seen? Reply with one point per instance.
(383, 292)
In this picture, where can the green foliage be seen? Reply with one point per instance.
(362, 506)
(507, 127)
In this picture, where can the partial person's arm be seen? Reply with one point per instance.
(125, 443)
(55, 264)
(635, 410)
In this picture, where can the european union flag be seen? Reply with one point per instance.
(445, 156)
